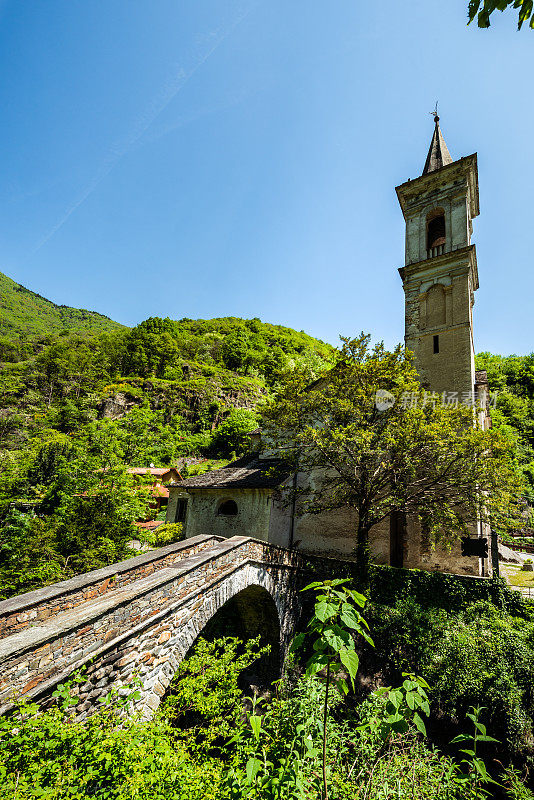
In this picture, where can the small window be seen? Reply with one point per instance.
(228, 508)
(181, 510)
(436, 344)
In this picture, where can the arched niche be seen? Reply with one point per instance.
(227, 508)
(436, 310)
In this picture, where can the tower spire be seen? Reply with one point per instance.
(438, 154)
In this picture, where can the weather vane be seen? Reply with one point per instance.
(435, 113)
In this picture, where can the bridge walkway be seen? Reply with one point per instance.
(132, 610)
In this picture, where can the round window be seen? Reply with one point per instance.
(228, 508)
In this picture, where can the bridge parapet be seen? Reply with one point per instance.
(32, 608)
(144, 627)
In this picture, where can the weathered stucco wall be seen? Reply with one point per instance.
(252, 518)
(267, 516)
(421, 554)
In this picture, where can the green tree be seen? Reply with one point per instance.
(151, 348)
(231, 436)
(29, 557)
(95, 527)
(235, 350)
(417, 456)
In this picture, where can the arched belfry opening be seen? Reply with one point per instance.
(435, 233)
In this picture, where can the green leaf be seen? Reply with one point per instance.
(324, 611)
(252, 769)
(336, 637)
(359, 599)
(315, 664)
(400, 726)
(419, 724)
(255, 724)
(395, 697)
(297, 642)
(350, 660)
(350, 618)
(313, 585)
(462, 737)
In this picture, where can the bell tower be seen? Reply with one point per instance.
(440, 274)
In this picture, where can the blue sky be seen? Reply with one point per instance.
(202, 158)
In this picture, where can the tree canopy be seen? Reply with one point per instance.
(414, 455)
(481, 10)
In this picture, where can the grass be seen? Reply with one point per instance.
(517, 577)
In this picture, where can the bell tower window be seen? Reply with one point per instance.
(435, 233)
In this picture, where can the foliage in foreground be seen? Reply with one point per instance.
(373, 750)
(483, 9)
(472, 657)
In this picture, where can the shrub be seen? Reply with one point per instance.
(44, 755)
(479, 656)
(168, 533)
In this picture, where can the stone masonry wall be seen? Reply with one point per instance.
(152, 655)
(32, 608)
(35, 659)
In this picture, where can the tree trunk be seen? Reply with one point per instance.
(363, 556)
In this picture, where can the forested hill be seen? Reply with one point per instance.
(25, 314)
(512, 379)
(151, 394)
(81, 396)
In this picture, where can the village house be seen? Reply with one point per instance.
(160, 477)
(439, 278)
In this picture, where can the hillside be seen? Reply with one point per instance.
(25, 314)
(157, 392)
(512, 379)
(80, 394)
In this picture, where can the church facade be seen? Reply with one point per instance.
(439, 279)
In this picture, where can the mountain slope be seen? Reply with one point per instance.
(25, 314)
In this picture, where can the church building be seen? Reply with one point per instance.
(439, 279)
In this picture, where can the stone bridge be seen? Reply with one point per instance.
(141, 616)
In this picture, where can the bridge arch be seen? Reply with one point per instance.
(250, 613)
(139, 618)
(263, 604)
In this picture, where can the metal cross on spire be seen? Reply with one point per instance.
(438, 154)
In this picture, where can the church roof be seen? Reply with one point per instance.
(438, 154)
(249, 472)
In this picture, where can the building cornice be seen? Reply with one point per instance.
(453, 262)
(465, 167)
